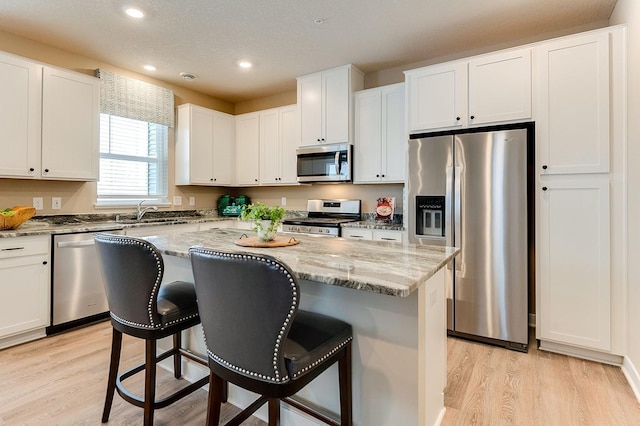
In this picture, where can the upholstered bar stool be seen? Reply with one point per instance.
(142, 307)
(257, 338)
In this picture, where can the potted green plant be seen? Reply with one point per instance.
(266, 219)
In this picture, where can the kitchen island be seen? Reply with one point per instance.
(393, 296)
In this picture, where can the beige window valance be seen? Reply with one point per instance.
(130, 98)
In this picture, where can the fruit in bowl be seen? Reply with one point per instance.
(15, 216)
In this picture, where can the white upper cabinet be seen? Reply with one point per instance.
(493, 88)
(380, 139)
(70, 125)
(500, 87)
(279, 137)
(204, 146)
(437, 96)
(20, 106)
(573, 96)
(50, 121)
(326, 107)
(248, 149)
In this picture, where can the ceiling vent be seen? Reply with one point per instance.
(187, 76)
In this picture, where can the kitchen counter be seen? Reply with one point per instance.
(393, 269)
(372, 224)
(392, 294)
(50, 225)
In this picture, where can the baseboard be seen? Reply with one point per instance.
(631, 373)
(20, 338)
(587, 354)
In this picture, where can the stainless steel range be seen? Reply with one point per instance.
(324, 217)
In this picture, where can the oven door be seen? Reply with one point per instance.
(325, 163)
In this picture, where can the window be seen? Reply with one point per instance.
(133, 161)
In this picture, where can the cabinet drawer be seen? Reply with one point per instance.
(24, 246)
(382, 235)
(357, 234)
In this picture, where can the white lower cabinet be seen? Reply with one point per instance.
(372, 234)
(574, 263)
(24, 288)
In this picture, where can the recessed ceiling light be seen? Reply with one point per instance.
(318, 21)
(245, 64)
(187, 76)
(134, 12)
(149, 68)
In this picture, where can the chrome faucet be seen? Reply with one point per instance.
(142, 211)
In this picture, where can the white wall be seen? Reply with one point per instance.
(628, 12)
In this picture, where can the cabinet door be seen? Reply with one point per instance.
(200, 146)
(573, 124)
(500, 87)
(335, 111)
(223, 148)
(70, 125)
(20, 106)
(574, 262)
(24, 294)
(368, 136)
(248, 149)
(269, 147)
(437, 96)
(394, 138)
(310, 104)
(289, 141)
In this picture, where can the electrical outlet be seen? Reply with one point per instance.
(177, 200)
(283, 201)
(192, 201)
(38, 204)
(56, 203)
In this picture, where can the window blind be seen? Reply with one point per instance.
(130, 98)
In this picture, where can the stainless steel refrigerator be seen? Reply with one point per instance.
(472, 191)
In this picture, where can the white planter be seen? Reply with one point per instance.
(265, 231)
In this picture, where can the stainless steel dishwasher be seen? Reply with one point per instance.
(77, 296)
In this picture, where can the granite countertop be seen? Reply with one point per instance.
(49, 225)
(380, 267)
(372, 224)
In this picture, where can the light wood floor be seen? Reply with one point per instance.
(60, 380)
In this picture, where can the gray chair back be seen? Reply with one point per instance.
(247, 303)
(132, 270)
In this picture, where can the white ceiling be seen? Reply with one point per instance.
(208, 37)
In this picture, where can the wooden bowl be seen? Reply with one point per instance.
(21, 215)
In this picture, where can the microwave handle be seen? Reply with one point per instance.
(337, 162)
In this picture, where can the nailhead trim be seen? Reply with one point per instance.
(156, 284)
(292, 309)
(331, 352)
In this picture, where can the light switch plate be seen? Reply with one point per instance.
(283, 201)
(177, 200)
(192, 201)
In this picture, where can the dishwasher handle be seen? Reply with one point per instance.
(73, 244)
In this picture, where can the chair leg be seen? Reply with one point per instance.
(177, 363)
(346, 389)
(274, 412)
(116, 346)
(214, 401)
(149, 381)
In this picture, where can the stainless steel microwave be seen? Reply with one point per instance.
(324, 163)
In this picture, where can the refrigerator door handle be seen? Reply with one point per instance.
(457, 203)
(448, 207)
